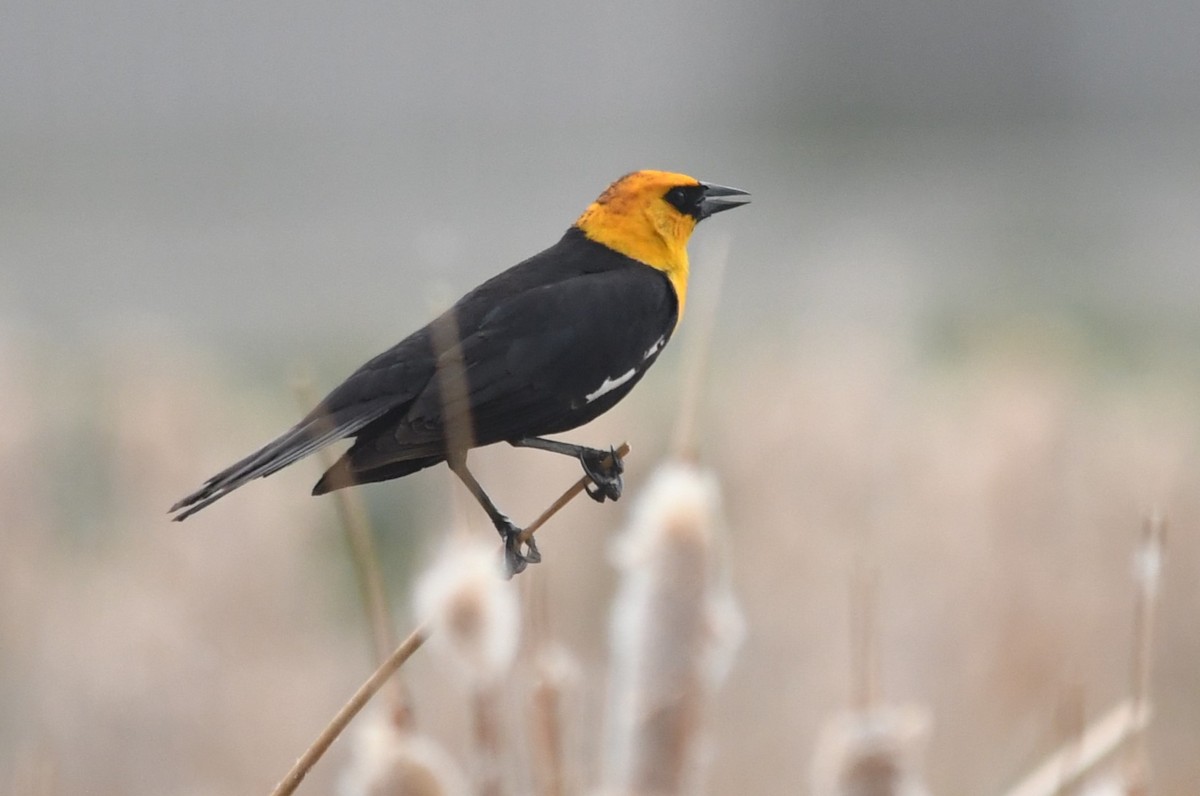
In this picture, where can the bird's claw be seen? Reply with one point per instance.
(604, 468)
(532, 554)
(515, 561)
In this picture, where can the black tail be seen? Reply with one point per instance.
(310, 435)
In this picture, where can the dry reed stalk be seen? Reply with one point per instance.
(360, 539)
(672, 635)
(473, 613)
(546, 725)
(873, 749)
(1147, 569)
(1067, 766)
(488, 740)
(1071, 722)
(556, 673)
(704, 316)
(1123, 727)
(457, 426)
(452, 383)
(306, 761)
(566, 497)
(402, 653)
(864, 635)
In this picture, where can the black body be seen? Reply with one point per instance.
(545, 346)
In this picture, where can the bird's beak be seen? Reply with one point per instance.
(718, 198)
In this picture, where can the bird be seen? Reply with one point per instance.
(539, 349)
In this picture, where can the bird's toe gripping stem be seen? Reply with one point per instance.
(604, 468)
(515, 560)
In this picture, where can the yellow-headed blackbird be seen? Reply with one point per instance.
(543, 347)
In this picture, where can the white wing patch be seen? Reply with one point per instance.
(654, 349)
(610, 384)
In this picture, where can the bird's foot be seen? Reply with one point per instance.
(515, 560)
(604, 468)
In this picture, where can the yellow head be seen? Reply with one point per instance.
(649, 216)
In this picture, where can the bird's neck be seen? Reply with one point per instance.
(660, 243)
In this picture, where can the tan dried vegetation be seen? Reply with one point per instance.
(995, 496)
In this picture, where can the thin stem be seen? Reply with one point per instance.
(864, 635)
(699, 351)
(363, 695)
(1148, 567)
(545, 718)
(487, 736)
(566, 497)
(1080, 757)
(547, 736)
(360, 539)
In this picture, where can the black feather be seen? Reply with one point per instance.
(545, 347)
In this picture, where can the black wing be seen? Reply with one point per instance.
(546, 360)
(542, 344)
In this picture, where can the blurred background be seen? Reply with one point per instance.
(957, 338)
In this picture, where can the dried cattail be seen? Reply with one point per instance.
(872, 753)
(488, 737)
(1147, 572)
(558, 675)
(472, 609)
(390, 761)
(473, 614)
(675, 627)
(1090, 753)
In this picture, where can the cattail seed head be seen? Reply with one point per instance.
(472, 609)
(674, 630)
(389, 761)
(877, 752)
(558, 678)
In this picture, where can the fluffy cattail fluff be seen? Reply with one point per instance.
(389, 761)
(472, 609)
(674, 630)
(873, 753)
(473, 614)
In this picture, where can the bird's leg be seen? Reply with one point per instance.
(604, 467)
(514, 560)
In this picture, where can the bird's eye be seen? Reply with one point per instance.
(680, 200)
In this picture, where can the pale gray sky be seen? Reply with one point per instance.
(231, 165)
